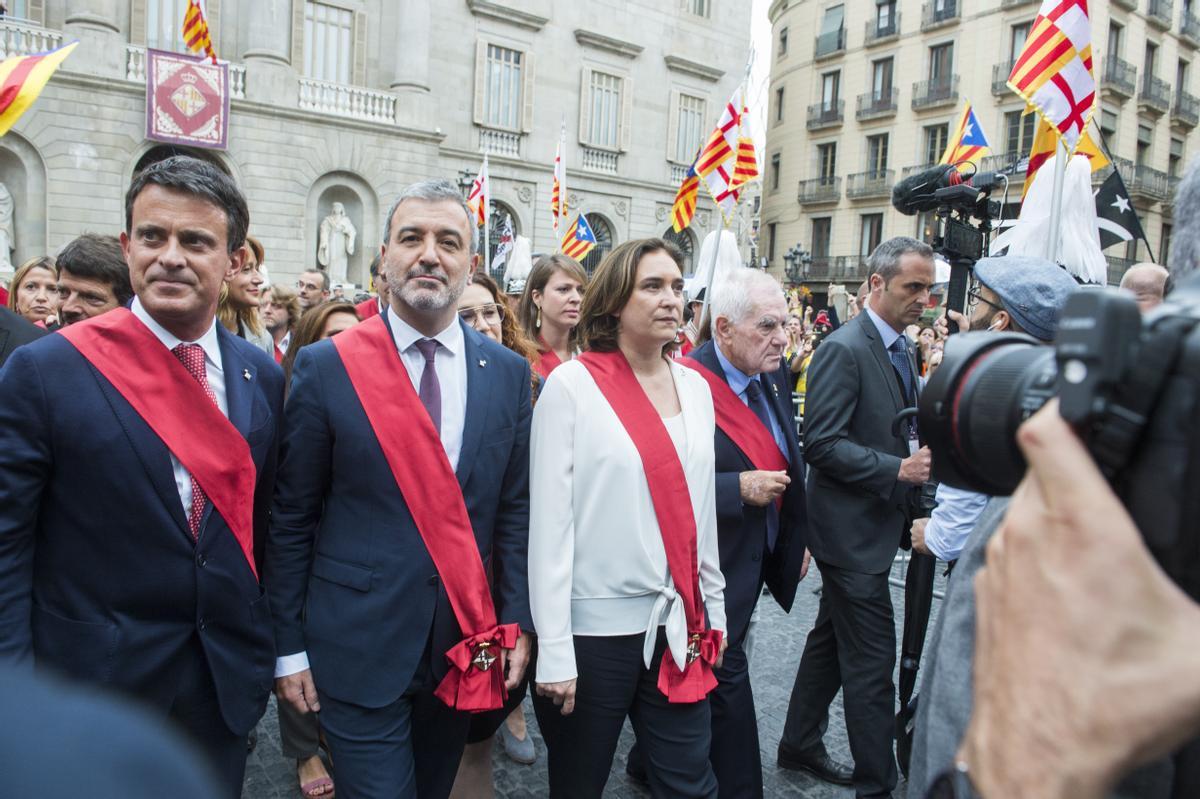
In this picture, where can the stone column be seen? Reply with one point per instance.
(95, 23)
(265, 42)
(410, 82)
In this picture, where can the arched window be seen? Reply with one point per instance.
(500, 211)
(686, 245)
(604, 241)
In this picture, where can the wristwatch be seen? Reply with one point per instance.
(953, 783)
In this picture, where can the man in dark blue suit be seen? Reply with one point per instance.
(137, 457)
(761, 521)
(368, 603)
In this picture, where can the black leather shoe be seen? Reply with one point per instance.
(817, 763)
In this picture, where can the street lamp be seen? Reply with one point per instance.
(796, 261)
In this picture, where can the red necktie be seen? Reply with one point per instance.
(192, 358)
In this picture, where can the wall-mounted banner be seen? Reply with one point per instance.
(187, 100)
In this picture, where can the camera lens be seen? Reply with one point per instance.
(987, 385)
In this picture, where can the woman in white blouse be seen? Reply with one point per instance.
(624, 574)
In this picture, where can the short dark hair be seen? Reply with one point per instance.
(611, 286)
(885, 260)
(312, 270)
(95, 257)
(374, 267)
(198, 178)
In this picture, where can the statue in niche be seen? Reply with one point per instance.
(6, 229)
(335, 244)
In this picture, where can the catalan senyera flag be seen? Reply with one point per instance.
(1045, 141)
(967, 143)
(684, 207)
(745, 165)
(195, 31)
(558, 192)
(22, 79)
(1054, 72)
(477, 199)
(718, 162)
(579, 239)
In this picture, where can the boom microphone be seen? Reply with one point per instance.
(921, 192)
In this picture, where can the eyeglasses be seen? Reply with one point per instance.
(974, 298)
(491, 314)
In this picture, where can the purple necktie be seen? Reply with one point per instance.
(431, 390)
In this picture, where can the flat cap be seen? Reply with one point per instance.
(1032, 290)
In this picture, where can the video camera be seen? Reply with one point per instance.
(1130, 388)
(958, 200)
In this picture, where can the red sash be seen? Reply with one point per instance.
(737, 421)
(172, 403)
(548, 359)
(676, 521)
(434, 498)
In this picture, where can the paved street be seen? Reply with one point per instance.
(780, 638)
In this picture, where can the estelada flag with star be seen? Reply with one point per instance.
(22, 79)
(1054, 73)
(579, 239)
(1115, 215)
(967, 145)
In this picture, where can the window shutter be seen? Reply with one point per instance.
(37, 11)
(137, 28)
(673, 127)
(527, 91)
(585, 106)
(626, 114)
(298, 8)
(359, 53)
(480, 79)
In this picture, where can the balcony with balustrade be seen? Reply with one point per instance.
(22, 37)
(826, 114)
(678, 173)
(880, 34)
(1000, 73)
(603, 161)
(1119, 81)
(1148, 183)
(1189, 28)
(876, 184)
(939, 14)
(135, 71)
(877, 105)
(504, 143)
(837, 269)
(909, 171)
(1155, 96)
(352, 102)
(1117, 267)
(1013, 164)
(828, 45)
(935, 93)
(1185, 111)
(1160, 13)
(819, 191)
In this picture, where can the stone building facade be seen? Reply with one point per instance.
(349, 100)
(866, 92)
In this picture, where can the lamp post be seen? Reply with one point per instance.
(797, 261)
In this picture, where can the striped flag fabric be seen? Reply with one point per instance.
(717, 163)
(195, 31)
(1045, 142)
(967, 143)
(684, 207)
(22, 79)
(558, 192)
(579, 239)
(745, 165)
(1054, 71)
(478, 198)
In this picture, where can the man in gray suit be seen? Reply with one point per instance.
(860, 475)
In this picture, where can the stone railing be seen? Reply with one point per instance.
(500, 142)
(135, 71)
(595, 160)
(19, 37)
(678, 174)
(354, 102)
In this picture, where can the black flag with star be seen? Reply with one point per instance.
(1115, 215)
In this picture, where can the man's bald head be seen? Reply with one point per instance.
(1147, 282)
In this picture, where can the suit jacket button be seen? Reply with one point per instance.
(433, 580)
(203, 625)
(201, 561)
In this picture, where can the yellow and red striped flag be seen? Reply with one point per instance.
(745, 165)
(478, 199)
(684, 207)
(579, 239)
(967, 143)
(1054, 73)
(22, 79)
(195, 31)
(558, 192)
(724, 154)
(1045, 142)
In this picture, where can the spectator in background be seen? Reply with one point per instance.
(373, 306)
(549, 309)
(317, 324)
(15, 331)
(33, 293)
(1148, 283)
(280, 312)
(93, 278)
(313, 286)
(241, 297)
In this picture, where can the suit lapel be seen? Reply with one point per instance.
(784, 412)
(240, 377)
(707, 355)
(875, 344)
(476, 420)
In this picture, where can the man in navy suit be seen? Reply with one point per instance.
(368, 607)
(137, 456)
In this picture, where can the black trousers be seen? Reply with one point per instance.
(196, 710)
(299, 733)
(852, 646)
(614, 683)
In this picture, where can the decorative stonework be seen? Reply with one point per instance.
(525, 194)
(608, 43)
(693, 68)
(621, 208)
(502, 13)
(703, 218)
(660, 213)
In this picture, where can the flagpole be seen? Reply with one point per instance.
(708, 283)
(1060, 171)
(487, 218)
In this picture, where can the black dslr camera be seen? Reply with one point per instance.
(1130, 388)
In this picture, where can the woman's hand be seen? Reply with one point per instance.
(561, 693)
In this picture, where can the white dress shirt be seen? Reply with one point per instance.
(284, 342)
(597, 565)
(952, 520)
(450, 363)
(888, 333)
(216, 381)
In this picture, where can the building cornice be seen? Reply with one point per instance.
(608, 43)
(693, 68)
(496, 11)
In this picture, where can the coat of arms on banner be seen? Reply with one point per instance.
(187, 100)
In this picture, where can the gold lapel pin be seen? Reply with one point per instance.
(246, 373)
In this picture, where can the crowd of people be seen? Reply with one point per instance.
(406, 513)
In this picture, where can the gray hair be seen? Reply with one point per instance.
(197, 178)
(433, 191)
(733, 296)
(1185, 244)
(885, 261)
